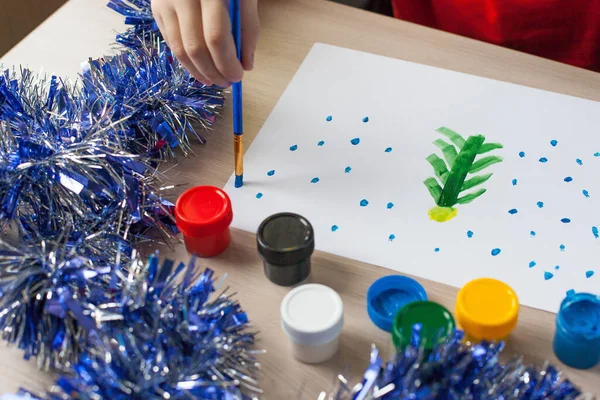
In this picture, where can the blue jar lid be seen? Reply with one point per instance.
(388, 295)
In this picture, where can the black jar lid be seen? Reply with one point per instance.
(285, 239)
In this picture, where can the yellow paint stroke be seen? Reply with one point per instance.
(442, 214)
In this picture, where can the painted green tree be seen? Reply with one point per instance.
(455, 174)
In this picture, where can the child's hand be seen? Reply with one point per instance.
(199, 34)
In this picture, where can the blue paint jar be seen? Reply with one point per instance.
(577, 336)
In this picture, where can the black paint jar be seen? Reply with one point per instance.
(286, 242)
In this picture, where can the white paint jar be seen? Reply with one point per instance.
(312, 317)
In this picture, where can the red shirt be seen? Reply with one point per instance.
(563, 30)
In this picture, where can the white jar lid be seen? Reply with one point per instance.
(312, 314)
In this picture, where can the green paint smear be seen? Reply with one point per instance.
(460, 162)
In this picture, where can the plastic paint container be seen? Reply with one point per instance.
(487, 309)
(203, 215)
(312, 316)
(388, 295)
(577, 336)
(436, 324)
(285, 243)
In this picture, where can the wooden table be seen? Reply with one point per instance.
(20, 17)
(290, 28)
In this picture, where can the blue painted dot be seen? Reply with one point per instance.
(329, 118)
(540, 204)
(469, 234)
(597, 154)
(586, 193)
(365, 119)
(565, 220)
(294, 147)
(388, 150)
(532, 233)
(532, 264)
(271, 172)
(347, 170)
(321, 143)
(568, 179)
(364, 202)
(334, 228)
(553, 143)
(557, 267)
(589, 274)
(562, 247)
(522, 154)
(513, 211)
(390, 205)
(570, 292)
(543, 160)
(392, 237)
(514, 182)
(579, 161)
(355, 141)
(595, 232)
(259, 195)
(548, 275)
(437, 249)
(314, 180)
(496, 251)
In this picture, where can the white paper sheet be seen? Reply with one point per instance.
(405, 104)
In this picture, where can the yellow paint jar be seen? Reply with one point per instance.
(487, 309)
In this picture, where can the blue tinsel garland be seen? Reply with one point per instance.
(138, 14)
(455, 370)
(45, 287)
(153, 95)
(148, 331)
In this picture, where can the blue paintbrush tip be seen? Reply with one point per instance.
(239, 181)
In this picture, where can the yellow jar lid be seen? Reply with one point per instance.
(487, 309)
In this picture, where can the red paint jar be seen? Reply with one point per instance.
(203, 215)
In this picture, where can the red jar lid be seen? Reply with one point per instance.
(203, 211)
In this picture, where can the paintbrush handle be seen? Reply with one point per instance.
(237, 103)
(236, 29)
(237, 98)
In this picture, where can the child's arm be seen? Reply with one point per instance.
(199, 34)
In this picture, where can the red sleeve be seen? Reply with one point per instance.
(563, 30)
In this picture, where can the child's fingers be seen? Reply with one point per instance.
(163, 31)
(157, 9)
(161, 26)
(173, 39)
(190, 18)
(218, 37)
(250, 32)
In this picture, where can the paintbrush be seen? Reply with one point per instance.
(238, 125)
